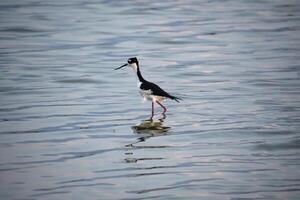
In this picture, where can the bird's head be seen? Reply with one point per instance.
(132, 62)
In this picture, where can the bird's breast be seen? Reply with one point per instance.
(147, 94)
(139, 84)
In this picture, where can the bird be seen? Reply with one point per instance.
(148, 90)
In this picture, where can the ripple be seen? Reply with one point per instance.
(293, 144)
(62, 158)
(22, 30)
(68, 186)
(80, 81)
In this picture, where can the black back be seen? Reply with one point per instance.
(156, 90)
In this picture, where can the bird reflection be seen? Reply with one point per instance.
(149, 128)
(146, 129)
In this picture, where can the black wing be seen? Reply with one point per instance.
(156, 90)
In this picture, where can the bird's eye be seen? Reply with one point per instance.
(129, 61)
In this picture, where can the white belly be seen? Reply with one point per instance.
(147, 94)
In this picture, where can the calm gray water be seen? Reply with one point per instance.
(73, 128)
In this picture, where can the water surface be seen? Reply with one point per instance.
(73, 128)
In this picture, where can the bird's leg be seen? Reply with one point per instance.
(152, 114)
(165, 109)
(163, 117)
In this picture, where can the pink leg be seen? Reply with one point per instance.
(152, 110)
(165, 109)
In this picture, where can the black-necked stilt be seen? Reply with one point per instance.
(148, 90)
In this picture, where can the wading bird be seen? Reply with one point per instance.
(148, 90)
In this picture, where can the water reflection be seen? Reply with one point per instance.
(151, 127)
(147, 129)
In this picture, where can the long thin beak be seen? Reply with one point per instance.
(121, 66)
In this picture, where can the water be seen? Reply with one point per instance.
(73, 128)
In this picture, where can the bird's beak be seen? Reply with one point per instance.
(121, 66)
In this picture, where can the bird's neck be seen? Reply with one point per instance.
(139, 75)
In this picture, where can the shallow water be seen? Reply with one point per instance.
(73, 128)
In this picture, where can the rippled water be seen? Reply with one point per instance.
(73, 128)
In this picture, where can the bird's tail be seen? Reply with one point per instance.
(175, 98)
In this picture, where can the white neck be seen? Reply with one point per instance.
(134, 67)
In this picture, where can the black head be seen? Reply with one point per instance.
(133, 62)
